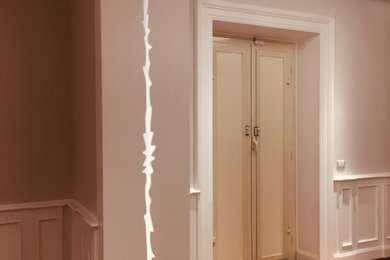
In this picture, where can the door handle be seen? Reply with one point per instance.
(256, 131)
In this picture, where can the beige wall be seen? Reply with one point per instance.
(84, 180)
(35, 101)
(123, 94)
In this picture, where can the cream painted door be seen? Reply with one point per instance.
(254, 182)
(232, 148)
(274, 138)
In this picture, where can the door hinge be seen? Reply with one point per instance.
(288, 231)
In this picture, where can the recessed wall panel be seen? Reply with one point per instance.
(367, 213)
(387, 210)
(346, 217)
(11, 241)
(48, 239)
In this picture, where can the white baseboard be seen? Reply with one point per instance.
(364, 254)
(303, 255)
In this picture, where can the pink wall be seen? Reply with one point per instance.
(47, 74)
(84, 182)
(123, 104)
(37, 105)
(362, 91)
(362, 95)
(35, 101)
(37, 108)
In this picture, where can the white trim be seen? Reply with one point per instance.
(264, 11)
(386, 216)
(194, 191)
(306, 254)
(354, 177)
(376, 238)
(207, 12)
(351, 217)
(376, 249)
(33, 205)
(74, 205)
(87, 215)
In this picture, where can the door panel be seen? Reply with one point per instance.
(271, 153)
(274, 113)
(231, 151)
(254, 178)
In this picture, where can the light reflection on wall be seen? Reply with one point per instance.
(148, 137)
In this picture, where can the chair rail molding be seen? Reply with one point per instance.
(352, 177)
(74, 205)
(214, 10)
(88, 216)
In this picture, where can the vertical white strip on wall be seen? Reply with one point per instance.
(148, 136)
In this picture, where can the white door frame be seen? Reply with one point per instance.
(214, 10)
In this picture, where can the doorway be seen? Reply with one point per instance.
(254, 149)
(288, 24)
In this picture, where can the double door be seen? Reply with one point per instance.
(254, 150)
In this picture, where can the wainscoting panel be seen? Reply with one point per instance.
(363, 210)
(31, 232)
(368, 213)
(11, 238)
(387, 211)
(83, 233)
(346, 216)
(48, 225)
(35, 231)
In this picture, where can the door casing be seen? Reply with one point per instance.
(201, 187)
